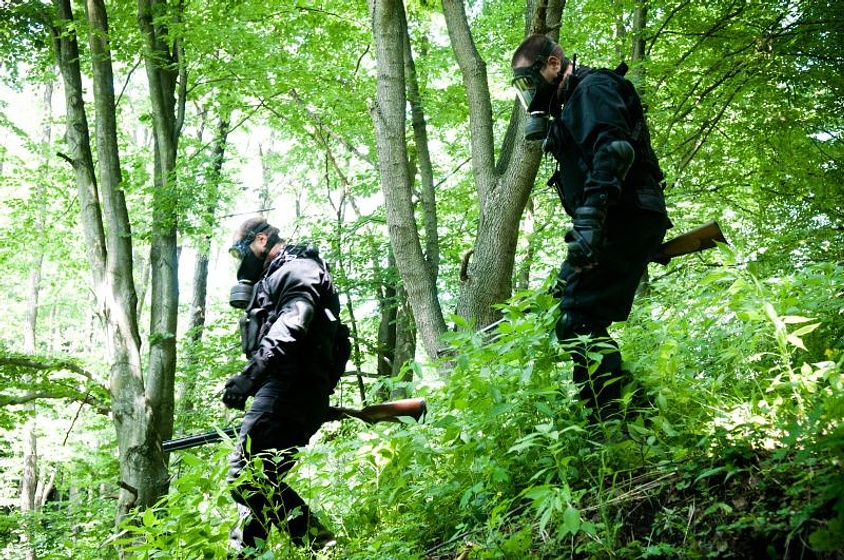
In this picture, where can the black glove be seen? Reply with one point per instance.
(238, 389)
(585, 237)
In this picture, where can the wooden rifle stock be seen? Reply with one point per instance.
(698, 239)
(382, 412)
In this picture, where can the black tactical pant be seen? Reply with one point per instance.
(593, 299)
(279, 421)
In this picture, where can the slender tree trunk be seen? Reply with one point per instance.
(143, 266)
(423, 155)
(165, 70)
(200, 270)
(386, 348)
(78, 142)
(388, 116)
(29, 482)
(523, 274)
(200, 292)
(265, 198)
(31, 312)
(33, 294)
(212, 187)
(43, 490)
(405, 347)
(637, 54)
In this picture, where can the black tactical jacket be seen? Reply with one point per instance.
(297, 309)
(602, 107)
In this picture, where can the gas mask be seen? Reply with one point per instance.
(250, 270)
(536, 95)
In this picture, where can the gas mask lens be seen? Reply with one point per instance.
(525, 90)
(240, 248)
(535, 95)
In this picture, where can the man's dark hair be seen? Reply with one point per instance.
(533, 47)
(256, 224)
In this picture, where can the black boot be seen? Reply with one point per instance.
(306, 530)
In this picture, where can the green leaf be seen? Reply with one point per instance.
(148, 518)
(571, 522)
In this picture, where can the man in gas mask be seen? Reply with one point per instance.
(609, 181)
(291, 318)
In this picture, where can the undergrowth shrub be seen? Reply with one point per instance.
(731, 446)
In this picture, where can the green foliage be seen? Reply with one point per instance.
(732, 445)
(734, 453)
(192, 522)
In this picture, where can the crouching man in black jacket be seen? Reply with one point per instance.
(610, 183)
(291, 318)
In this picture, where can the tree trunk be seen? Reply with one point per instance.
(265, 198)
(523, 274)
(388, 116)
(31, 312)
(143, 471)
(637, 54)
(423, 155)
(405, 347)
(165, 69)
(386, 347)
(200, 292)
(212, 187)
(43, 490)
(33, 294)
(78, 140)
(200, 270)
(502, 189)
(29, 483)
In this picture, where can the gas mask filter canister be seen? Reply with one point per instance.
(249, 269)
(241, 294)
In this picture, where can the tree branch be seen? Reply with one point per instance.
(62, 390)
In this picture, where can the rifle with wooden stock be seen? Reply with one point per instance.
(382, 412)
(698, 239)
(694, 240)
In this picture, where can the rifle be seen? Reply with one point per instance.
(382, 412)
(698, 239)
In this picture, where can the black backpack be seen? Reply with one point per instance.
(342, 351)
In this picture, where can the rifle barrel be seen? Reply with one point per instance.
(199, 439)
(381, 412)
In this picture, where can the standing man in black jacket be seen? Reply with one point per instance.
(292, 315)
(609, 181)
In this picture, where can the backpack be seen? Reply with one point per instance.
(342, 351)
